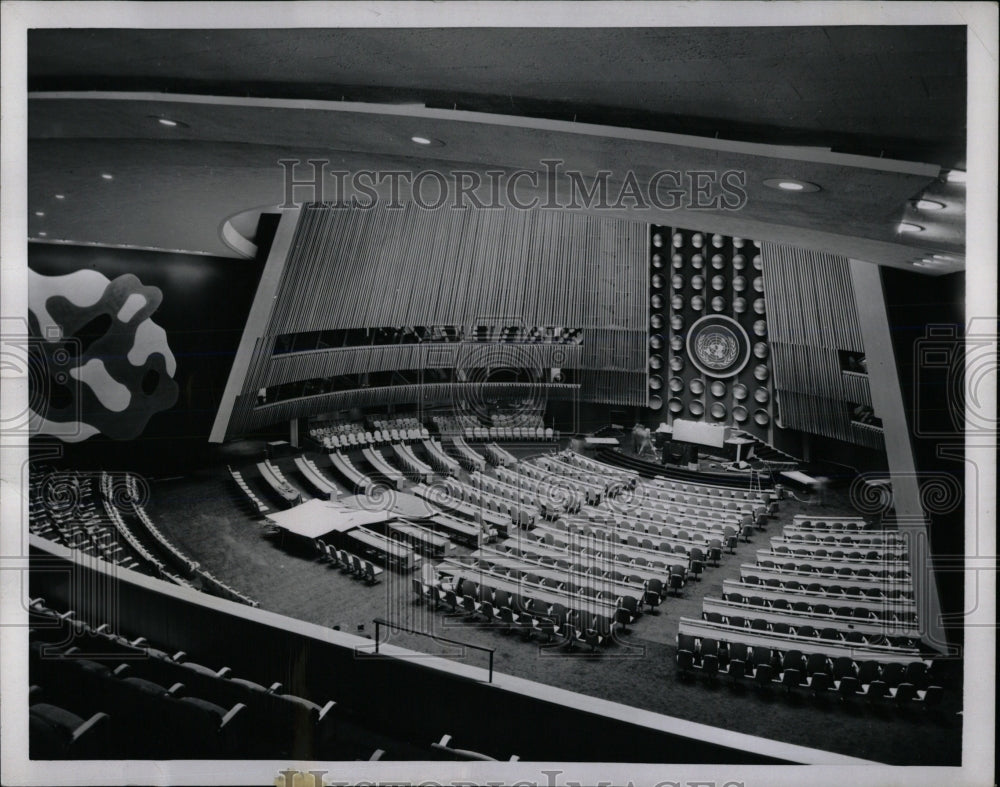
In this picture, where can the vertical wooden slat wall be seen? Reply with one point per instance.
(813, 316)
(354, 267)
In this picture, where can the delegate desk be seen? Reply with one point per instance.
(349, 471)
(806, 645)
(818, 621)
(439, 500)
(900, 606)
(440, 458)
(605, 585)
(421, 537)
(808, 549)
(527, 548)
(312, 475)
(411, 463)
(831, 562)
(814, 577)
(498, 581)
(465, 531)
(614, 544)
(378, 461)
(392, 553)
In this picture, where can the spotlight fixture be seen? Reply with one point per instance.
(928, 204)
(168, 122)
(791, 185)
(956, 176)
(426, 141)
(906, 226)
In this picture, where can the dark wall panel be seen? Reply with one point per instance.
(204, 305)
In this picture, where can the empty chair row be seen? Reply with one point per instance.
(528, 616)
(870, 597)
(349, 563)
(793, 670)
(256, 503)
(844, 539)
(869, 571)
(783, 548)
(808, 642)
(861, 629)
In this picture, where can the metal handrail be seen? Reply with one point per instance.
(379, 622)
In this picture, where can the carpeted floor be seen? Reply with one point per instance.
(202, 514)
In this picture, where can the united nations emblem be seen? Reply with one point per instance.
(718, 346)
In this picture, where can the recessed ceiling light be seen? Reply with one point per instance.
(956, 176)
(166, 122)
(107, 176)
(791, 184)
(928, 204)
(60, 196)
(945, 257)
(43, 234)
(422, 140)
(905, 226)
(39, 212)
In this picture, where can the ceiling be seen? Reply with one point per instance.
(847, 106)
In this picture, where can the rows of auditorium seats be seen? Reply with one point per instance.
(357, 435)
(498, 607)
(701, 484)
(719, 514)
(520, 513)
(99, 694)
(117, 530)
(468, 458)
(189, 569)
(622, 557)
(348, 562)
(276, 480)
(356, 480)
(498, 456)
(852, 615)
(71, 518)
(507, 430)
(814, 673)
(257, 506)
(656, 471)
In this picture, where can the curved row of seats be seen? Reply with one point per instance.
(689, 481)
(441, 462)
(624, 559)
(146, 702)
(468, 458)
(357, 481)
(795, 671)
(870, 597)
(861, 630)
(499, 457)
(348, 563)
(80, 529)
(256, 504)
(645, 500)
(519, 513)
(571, 582)
(781, 548)
(499, 607)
